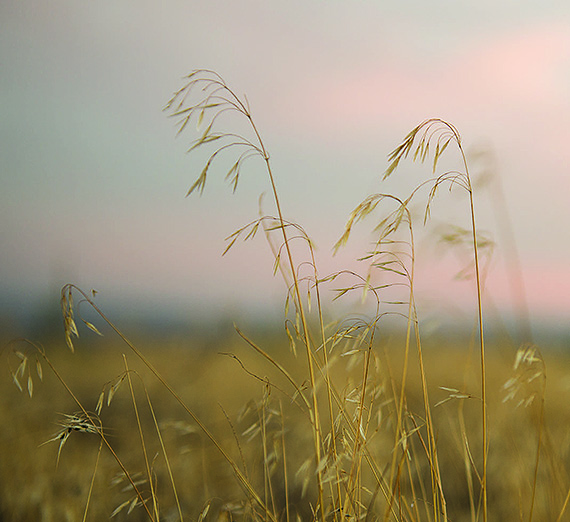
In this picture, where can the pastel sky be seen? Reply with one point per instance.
(93, 178)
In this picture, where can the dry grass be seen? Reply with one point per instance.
(328, 421)
(254, 426)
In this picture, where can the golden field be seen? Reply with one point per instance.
(249, 406)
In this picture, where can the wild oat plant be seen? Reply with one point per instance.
(341, 430)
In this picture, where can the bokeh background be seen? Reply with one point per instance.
(93, 178)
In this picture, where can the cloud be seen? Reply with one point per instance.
(520, 69)
(519, 73)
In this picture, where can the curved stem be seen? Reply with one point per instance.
(315, 412)
(481, 345)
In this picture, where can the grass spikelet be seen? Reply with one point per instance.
(75, 422)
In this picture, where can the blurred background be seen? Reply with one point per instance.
(93, 178)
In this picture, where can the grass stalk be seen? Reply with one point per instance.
(92, 482)
(142, 441)
(220, 98)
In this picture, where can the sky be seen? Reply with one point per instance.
(93, 177)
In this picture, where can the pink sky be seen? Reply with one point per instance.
(511, 86)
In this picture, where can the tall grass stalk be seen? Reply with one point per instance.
(443, 133)
(217, 99)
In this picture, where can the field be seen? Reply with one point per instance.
(359, 418)
(257, 422)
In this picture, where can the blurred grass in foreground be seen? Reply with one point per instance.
(249, 410)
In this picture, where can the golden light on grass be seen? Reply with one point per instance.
(369, 424)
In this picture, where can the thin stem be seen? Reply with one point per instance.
(537, 459)
(482, 347)
(141, 435)
(315, 410)
(92, 483)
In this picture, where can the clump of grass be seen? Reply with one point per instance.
(343, 439)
